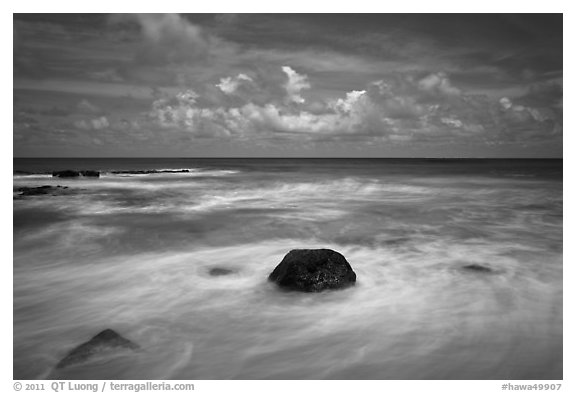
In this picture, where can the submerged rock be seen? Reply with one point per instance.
(105, 341)
(474, 267)
(313, 271)
(67, 173)
(42, 190)
(219, 271)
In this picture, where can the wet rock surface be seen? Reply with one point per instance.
(105, 341)
(313, 270)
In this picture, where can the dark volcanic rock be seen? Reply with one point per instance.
(474, 267)
(90, 173)
(150, 171)
(220, 271)
(69, 173)
(105, 341)
(65, 173)
(42, 190)
(313, 271)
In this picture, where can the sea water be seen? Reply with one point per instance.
(133, 252)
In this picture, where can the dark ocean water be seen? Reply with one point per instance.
(133, 253)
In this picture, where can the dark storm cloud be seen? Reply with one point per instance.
(310, 83)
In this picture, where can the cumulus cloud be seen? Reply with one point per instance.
(180, 111)
(353, 114)
(438, 83)
(272, 117)
(98, 123)
(171, 113)
(506, 103)
(295, 84)
(347, 104)
(397, 110)
(229, 85)
(524, 113)
(451, 121)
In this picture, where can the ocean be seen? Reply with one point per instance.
(133, 252)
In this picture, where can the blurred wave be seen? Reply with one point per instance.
(134, 252)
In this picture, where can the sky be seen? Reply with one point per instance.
(288, 85)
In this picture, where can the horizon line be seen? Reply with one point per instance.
(312, 158)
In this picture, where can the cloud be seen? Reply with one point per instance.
(169, 47)
(346, 105)
(270, 117)
(107, 75)
(180, 112)
(171, 50)
(394, 109)
(172, 113)
(506, 103)
(295, 84)
(167, 37)
(98, 123)
(85, 106)
(452, 122)
(438, 83)
(229, 85)
(524, 113)
(398, 109)
(353, 114)
(255, 77)
(161, 27)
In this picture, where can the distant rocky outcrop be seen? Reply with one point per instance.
(70, 173)
(42, 190)
(474, 267)
(313, 271)
(90, 173)
(150, 171)
(105, 341)
(67, 173)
